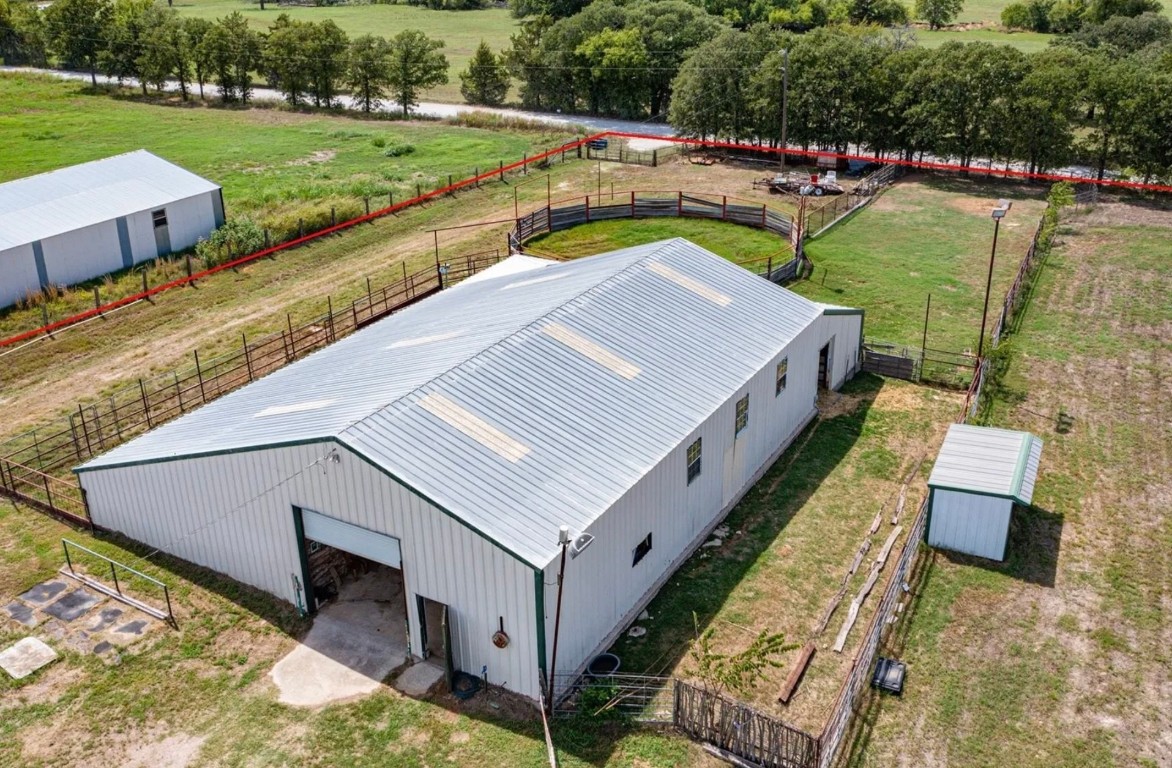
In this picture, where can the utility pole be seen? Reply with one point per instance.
(784, 102)
(999, 212)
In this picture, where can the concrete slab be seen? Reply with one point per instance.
(25, 657)
(73, 605)
(417, 679)
(353, 645)
(23, 613)
(105, 619)
(45, 592)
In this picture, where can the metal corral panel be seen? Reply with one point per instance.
(604, 590)
(522, 402)
(984, 460)
(49, 204)
(234, 514)
(968, 523)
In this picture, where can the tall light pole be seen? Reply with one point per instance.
(784, 102)
(575, 547)
(999, 212)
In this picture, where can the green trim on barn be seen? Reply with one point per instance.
(306, 583)
(539, 601)
(1023, 460)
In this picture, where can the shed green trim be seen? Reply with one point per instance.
(928, 519)
(842, 311)
(306, 584)
(1023, 460)
(975, 492)
(206, 454)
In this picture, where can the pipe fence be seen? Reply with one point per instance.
(28, 461)
(646, 204)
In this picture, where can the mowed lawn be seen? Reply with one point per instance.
(924, 236)
(732, 241)
(1060, 657)
(461, 31)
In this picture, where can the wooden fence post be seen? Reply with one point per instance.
(680, 203)
(366, 200)
(632, 203)
(187, 258)
(333, 216)
(587, 211)
(84, 430)
(292, 341)
(97, 299)
(300, 228)
(178, 392)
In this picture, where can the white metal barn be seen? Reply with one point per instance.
(633, 396)
(81, 222)
(980, 473)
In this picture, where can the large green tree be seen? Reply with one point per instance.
(196, 30)
(232, 52)
(1110, 92)
(368, 71)
(24, 38)
(486, 81)
(328, 45)
(287, 58)
(127, 28)
(938, 12)
(167, 54)
(1041, 125)
(416, 65)
(77, 32)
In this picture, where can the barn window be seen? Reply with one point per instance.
(742, 414)
(641, 550)
(159, 217)
(782, 370)
(693, 461)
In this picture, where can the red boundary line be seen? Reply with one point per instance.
(88, 314)
(1009, 173)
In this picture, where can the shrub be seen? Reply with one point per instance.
(237, 237)
(379, 142)
(398, 150)
(1015, 16)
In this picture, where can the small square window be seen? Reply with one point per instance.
(159, 217)
(742, 415)
(782, 370)
(694, 461)
(641, 550)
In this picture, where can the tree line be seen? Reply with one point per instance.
(308, 62)
(867, 88)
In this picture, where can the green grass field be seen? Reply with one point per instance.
(1029, 42)
(1051, 659)
(461, 31)
(732, 241)
(272, 164)
(924, 236)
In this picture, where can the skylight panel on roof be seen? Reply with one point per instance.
(590, 349)
(277, 410)
(475, 427)
(420, 340)
(533, 281)
(693, 285)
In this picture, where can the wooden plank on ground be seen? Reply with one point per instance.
(851, 617)
(868, 585)
(887, 545)
(863, 549)
(899, 504)
(831, 607)
(878, 519)
(795, 674)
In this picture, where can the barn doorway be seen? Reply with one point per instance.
(436, 634)
(824, 365)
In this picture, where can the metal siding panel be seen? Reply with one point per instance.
(970, 524)
(82, 254)
(18, 274)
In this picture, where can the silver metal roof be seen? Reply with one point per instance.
(519, 402)
(49, 204)
(988, 461)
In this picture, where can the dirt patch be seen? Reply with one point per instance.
(52, 684)
(315, 158)
(410, 739)
(1122, 214)
(178, 751)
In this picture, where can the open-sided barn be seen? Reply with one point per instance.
(81, 222)
(633, 396)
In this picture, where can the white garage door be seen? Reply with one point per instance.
(350, 538)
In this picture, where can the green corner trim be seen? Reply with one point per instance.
(842, 311)
(928, 519)
(539, 601)
(306, 584)
(976, 492)
(1023, 460)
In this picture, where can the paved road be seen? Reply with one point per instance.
(425, 109)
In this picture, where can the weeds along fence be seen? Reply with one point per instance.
(28, 462)
(641, 205)
(570, 150)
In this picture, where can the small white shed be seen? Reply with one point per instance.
(87, 220)
(980, 473)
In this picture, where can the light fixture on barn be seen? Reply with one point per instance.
(575, 546)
